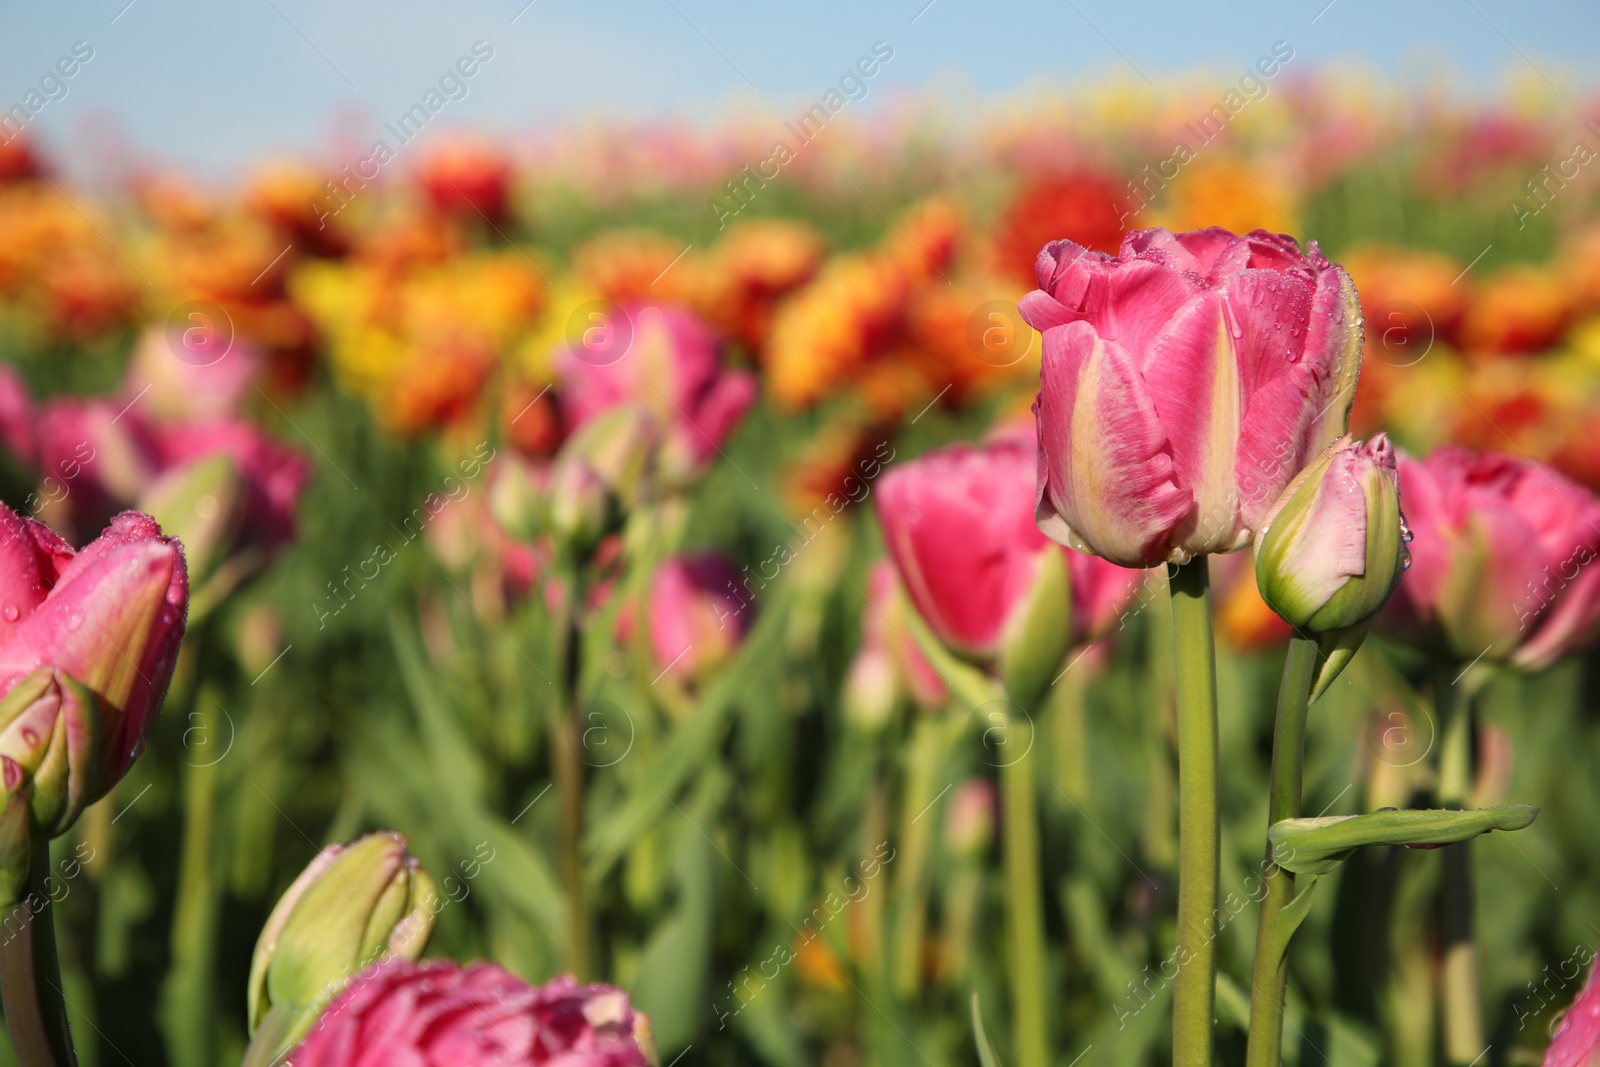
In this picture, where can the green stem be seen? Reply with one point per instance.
(566, 762)
(1270, 974)
(1195, 989)
(1460, 1001)
(30, 972)
(1025, 907)
(186, 1008)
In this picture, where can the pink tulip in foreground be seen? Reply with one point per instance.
(109, 617)
(1576, 1042)
(959, 526)
(670, 365)
(1184, 382)
(1504, 560)
(438, 1014)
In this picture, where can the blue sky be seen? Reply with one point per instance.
(214, 85)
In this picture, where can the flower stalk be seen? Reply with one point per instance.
(1270, 972)
(1460, 1001)
(1024, 904)
(30, 972)
(1194, 990)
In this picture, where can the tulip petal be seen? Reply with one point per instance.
(32, 558)
(1577, 1039)
(1193, 383)
(1326, 543)
(1109, 484)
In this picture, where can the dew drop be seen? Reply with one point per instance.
(74, 621)
(10, 613)
(30, 737)
(1556, 1020)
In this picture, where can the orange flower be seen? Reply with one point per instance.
(1081, 206)
(637, 265)
(971, 335)
(469, 177)
(749, 269)
(825, 332)
(1520, 309)
(1410, 297)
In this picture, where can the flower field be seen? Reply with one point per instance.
(847, 595)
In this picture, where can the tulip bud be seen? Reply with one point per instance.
(581, 508)
(516, 496)
(353, 905)
(619, 447)
(50, 734)
(199, 504)
(1332, 548)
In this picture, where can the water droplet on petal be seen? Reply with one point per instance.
(10, 613)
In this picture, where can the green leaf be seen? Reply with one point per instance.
(1317, 846)
(986, 1054)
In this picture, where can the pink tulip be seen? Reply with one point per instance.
(1576, 1042)
(273, 475)
(437, 1014)
(959, 526)
(95, 458)
(110, 617)
(100, 455)
(1502, 562)
(672, 368)
(198, 385)
(699, 614)
(1185, 381)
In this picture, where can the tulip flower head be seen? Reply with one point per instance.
(352, 905)
(88, 642)
(1504, 561)
(989, 584)
(1184, 382)
(699, 614)
(438, 1014)
(672, 369)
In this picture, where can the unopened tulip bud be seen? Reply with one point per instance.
(1332, 548)
(50, 730)
(353, 905)
(581, 510)
(199, 503)
(516, 496)
(619, 447)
